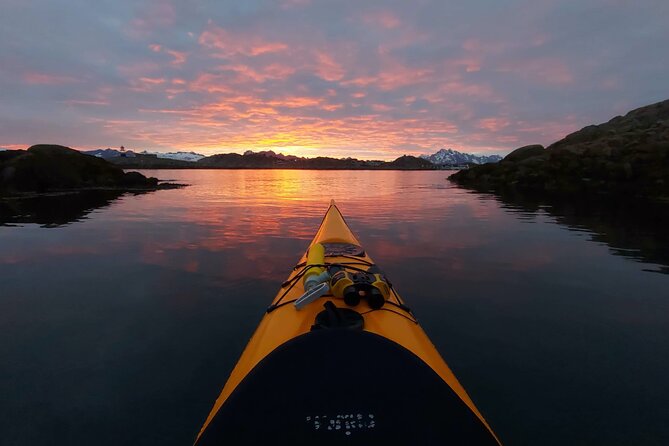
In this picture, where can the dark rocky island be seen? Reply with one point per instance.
(628, 155)
(52, 168)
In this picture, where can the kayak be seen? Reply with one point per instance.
(339, 358)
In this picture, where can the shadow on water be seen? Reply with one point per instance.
(50, 211)
(631, 227)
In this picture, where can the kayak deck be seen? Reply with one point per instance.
(385, 382)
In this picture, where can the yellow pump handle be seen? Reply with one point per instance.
(315, 256)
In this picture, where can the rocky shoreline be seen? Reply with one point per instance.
(52, 169)
(628, 155)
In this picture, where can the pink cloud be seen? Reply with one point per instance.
(361, 81)
(154, 15)
(152, 80)
(48, 79)
(385, 19)
(381, 107)
(493, 124)
(145, 84)
(480, 47)
(86, 102)
(327, 68)
(227, 44)
(271, 71)
(278, 71)
(295, 101)
(544, 70)
(462, 88)
(550, 131)
(139, 69)
(399, 76)
(179, 56)
(210, 83)
(332, 107)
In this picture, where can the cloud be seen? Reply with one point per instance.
(48, 79)
(225, 44)
(384, 19)
(373, 79)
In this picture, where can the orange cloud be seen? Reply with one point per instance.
(295, 102)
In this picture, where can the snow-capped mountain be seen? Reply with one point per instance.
(453, 157)
(181, 156)
(113, 153)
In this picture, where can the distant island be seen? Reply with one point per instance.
(443, 159)
(52, 169)
(627, 155)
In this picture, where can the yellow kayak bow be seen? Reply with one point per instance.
(340, 369)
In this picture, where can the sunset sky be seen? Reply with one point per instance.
(369, 79)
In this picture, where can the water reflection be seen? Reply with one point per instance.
(632, 228)
(134, 316)
(54, 210)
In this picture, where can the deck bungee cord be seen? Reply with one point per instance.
(345, 265)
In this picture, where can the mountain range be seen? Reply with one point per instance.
(181, 156)
(113, 153)
(268, 158)
(108, 153)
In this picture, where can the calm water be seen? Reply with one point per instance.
(120, 319)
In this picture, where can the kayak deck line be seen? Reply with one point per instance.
(371, 344)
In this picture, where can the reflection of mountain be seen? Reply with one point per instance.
(54, 210)
(636, 229)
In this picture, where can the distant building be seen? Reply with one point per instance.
(127, 153)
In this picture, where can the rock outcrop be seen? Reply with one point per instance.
(628, 154)
(525, 152)
(52, 168)
(409, 162)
